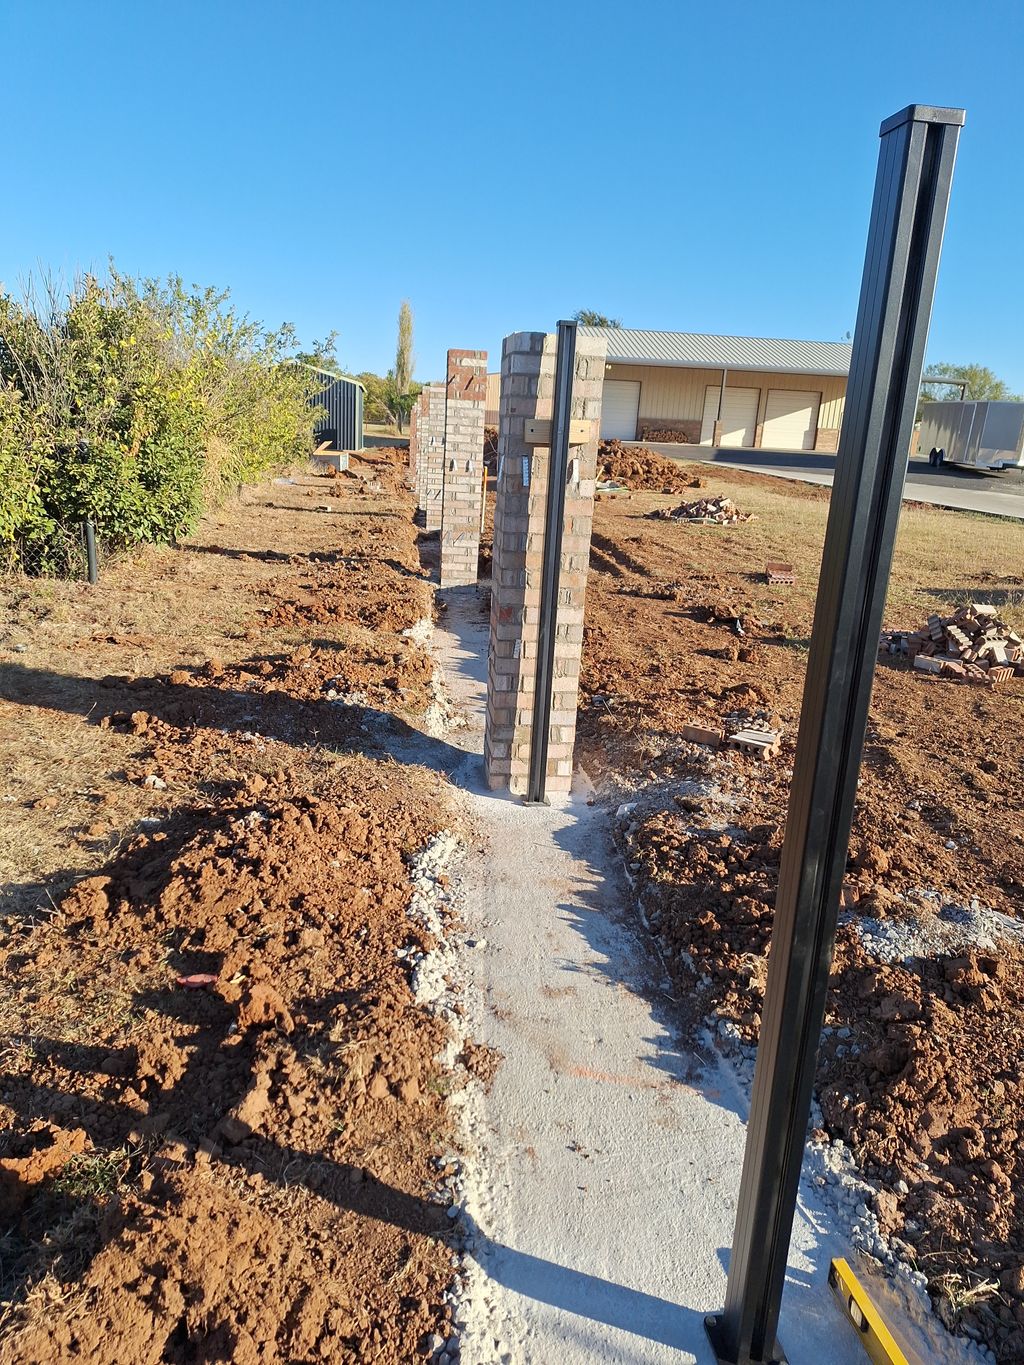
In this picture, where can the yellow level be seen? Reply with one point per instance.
(875, 1337)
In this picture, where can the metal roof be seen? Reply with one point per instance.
(628, 346)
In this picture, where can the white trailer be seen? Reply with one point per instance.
(986, 435)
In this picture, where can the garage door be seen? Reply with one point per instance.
(739, 415)
(790, 420)
(620, 406)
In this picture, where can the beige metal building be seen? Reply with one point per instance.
(761, 392)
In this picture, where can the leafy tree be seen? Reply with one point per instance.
(375, 402)
(982, 384)
(399, 399)
(322, 355)
(134, 403)
(586, 317)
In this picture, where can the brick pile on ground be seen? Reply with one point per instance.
(642, 470)
(973, 645)
(752, 735)
(718, 511)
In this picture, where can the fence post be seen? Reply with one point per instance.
(89, 530)
(912, 187)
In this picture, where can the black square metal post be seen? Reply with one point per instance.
(551, 570)
(912, 186)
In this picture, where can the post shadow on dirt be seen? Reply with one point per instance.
(270, 714)
(311, 557)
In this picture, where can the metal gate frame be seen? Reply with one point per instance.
(912, 188)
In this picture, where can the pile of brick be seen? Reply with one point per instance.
(720, 511)
(750, 736)
(973, 644)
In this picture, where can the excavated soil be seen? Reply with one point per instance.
(221, 1104)
(921, 1071)
(640, 469)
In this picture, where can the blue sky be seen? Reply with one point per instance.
(684, 166)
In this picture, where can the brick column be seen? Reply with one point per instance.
(421, 444)
(465, 402)
(431, 454)
(527, 391)
(412, 475)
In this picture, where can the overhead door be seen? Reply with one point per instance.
(739, 415)
(620, 407)
(790, 420)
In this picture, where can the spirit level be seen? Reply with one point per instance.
(875, 1337)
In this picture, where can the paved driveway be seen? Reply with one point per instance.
(970, 490)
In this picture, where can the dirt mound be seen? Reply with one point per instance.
(643, 470)
(304, 1054)
(196, 1272)
(221, 1108)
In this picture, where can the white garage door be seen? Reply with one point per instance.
(620, 406)
(739, 415)
(790, 420)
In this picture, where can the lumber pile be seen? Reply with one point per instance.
(719, 511)
(973, 645)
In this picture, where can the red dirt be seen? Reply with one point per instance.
(640, 469)
(255, 1157)
(928, 1086)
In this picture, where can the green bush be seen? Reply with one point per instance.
(132, 405)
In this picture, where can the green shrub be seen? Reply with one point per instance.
(132, 405)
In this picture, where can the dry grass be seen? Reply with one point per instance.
(942, 557)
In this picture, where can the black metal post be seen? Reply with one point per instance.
(908, 215)
(551, 570)
(89, 531)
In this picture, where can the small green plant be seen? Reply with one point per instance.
(94, 1176)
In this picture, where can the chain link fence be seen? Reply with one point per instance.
(69, 552)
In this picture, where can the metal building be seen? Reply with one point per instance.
(341, 421)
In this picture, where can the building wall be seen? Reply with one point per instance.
(493, 400)
(669, 394)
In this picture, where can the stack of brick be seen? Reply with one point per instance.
(430, 428)
(462, 501)
(973, 645)
(754, 737)
(527, 393)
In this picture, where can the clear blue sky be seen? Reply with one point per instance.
(694, 167)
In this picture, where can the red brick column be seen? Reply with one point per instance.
(413, 453)
(431, 455)
(527, 393)
(465, 401)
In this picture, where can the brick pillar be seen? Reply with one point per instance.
(421, 431)
(412, 474)
(431, 429)
(465, 402)
(527, 391)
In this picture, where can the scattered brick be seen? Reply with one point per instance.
(973, 645)
(720, 511)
